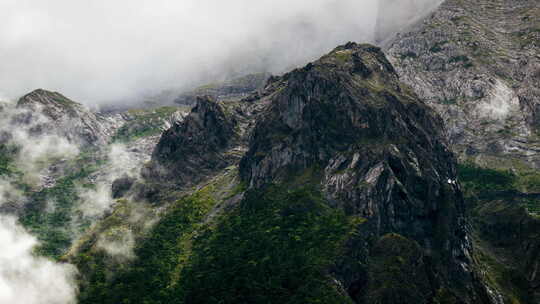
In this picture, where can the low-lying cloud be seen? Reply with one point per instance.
(36, 149)
(29, 279)
(101, 50)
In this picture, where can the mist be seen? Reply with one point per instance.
(26, 278)
(99, 51)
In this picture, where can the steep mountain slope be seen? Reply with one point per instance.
(478, 64)
(506, 235)
(334, 184)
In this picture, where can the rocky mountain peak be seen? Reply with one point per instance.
(193, 147)
(46, 112)
(342, 136)
(52, 104)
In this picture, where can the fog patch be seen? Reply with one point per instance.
(96, 201)
(9, 194)
(118, 242)
(499, 103)
(80, 49)
(26, 278)
(36, 149)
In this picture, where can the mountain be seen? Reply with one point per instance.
(361, 177)
(51, 112)
(478, 64)
(333, 184)
(59, 161)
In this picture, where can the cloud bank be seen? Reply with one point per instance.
(96, 51)
(27, 279)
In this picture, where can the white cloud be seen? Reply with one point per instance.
(96, 50)
(36, 151)
(26, 278)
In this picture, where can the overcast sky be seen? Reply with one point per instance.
(101, 49)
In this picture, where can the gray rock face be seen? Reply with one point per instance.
(195, 147)
(477, 63)
(381, 155)
(348, 125)
(52, 113)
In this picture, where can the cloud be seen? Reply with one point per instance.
(9, 194)
(102, 50)
(118, 242)
(36, 150)
(120, 162)
(26, 278)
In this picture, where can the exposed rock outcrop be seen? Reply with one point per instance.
(381, 154)
(340, 146)
(196, 147)
(51, 112)
(477, 63)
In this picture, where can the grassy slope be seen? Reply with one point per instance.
(274, 246)
(503, 227)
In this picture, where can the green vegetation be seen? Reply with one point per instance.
(478, 179)
(505, 231)
(274, 247)
(343, 56)
(459, 58)
(502, 276)
(396, 272)
(451, 101)
(52, 225)
(7, 166)
(159, 256)
(144, 123)
(496, 184)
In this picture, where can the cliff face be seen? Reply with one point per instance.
(195, 148)
(333, 184)
(380, 154)
(477, 64)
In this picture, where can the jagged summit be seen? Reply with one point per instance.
(44, 96)
(195, 147)
(48, 112)
(347, 127)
